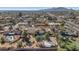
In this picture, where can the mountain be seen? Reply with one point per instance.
(57, 9)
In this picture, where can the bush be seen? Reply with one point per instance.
(2, 40)
(19, 44)
(62, 45)
(24, 33)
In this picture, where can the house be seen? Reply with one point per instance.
(1, 17)
(31, 30)
(21, 25)
(41, 25)
(77, 17)
(53, 24)
(8, 17)
(6, 28)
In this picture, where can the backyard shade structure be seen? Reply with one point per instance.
(12, 35)
(68, 34)
(9, 36)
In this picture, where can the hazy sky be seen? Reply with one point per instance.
(22, 8)
(32, 8)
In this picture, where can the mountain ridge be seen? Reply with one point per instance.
(58, 9)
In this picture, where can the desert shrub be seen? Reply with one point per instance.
(2, 41)
(24, 33)
(19, 44)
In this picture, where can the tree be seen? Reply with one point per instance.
(46, 36)
(20, 14)
(24, 33)
(52, 18)
(26, 37)
(49, 18)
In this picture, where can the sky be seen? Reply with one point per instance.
(32, 8)
(22, 8)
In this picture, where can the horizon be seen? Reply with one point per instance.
(33, 8)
